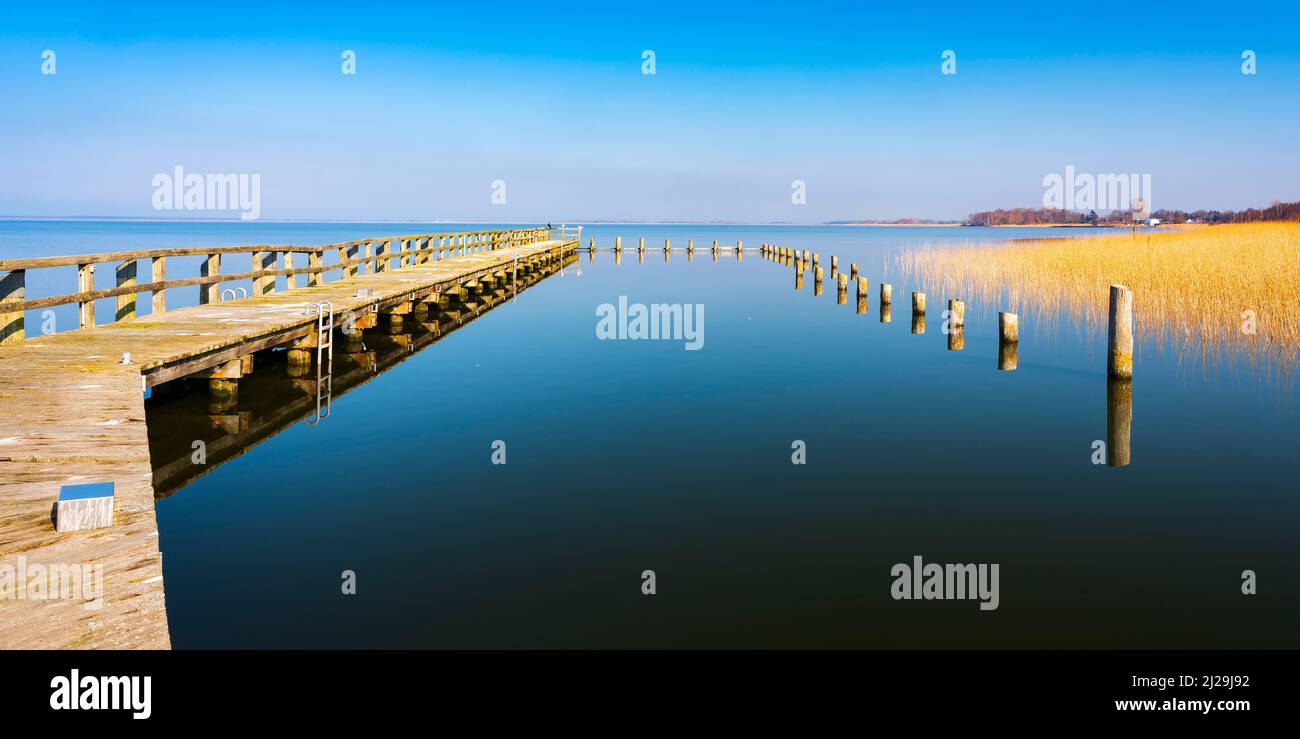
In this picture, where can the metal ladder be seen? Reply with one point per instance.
(324, 355)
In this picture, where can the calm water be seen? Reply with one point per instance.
(624, 456)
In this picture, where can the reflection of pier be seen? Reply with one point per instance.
(72, 403)
(270, 401)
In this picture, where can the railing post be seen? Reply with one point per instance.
(368, 266)
(263, 261)
(314, 262)
(126, 278)
(347, 254)
(86, 283)
(404, 248)
(210, 292)
(290, 280)
(12, 291)
(158, 270)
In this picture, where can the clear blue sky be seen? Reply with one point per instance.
(550, 98)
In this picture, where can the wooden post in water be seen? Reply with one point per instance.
(842, 288)
(641, 246)
(690, 247)
(1119, 336)
(618, 245)
(1119, 421)
(126, 277)
(12, 290)
(1008, 342)
(862, 294)
(817, 280)
(666, 246)
(955, 325)
(798, 279)
(159, 274)
(86, 283)
(1008, 328)
(210, 292)
(918, 302)
(886, 293)
(835, 265)
(853, 271)
(956, 314)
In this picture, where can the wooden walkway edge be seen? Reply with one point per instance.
(71, 411)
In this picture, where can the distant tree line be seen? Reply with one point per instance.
(1278, 211)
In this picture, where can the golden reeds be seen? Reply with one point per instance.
(1232, 288)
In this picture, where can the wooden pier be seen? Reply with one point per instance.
(72, 403)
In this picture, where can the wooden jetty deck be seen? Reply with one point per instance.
(72, 403)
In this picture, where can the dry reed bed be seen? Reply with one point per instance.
(1192, 290)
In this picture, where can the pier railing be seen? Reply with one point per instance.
(268, 261)
(565, 232)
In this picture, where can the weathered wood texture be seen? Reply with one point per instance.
(70, 412)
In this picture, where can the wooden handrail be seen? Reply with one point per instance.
(12, 271)
(7, 265)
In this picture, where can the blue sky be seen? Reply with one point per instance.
(550, 99)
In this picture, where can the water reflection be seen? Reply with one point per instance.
(1119, 421)
(281, 392)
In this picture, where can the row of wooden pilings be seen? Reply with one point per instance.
(1119, 351)
(738, 249)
